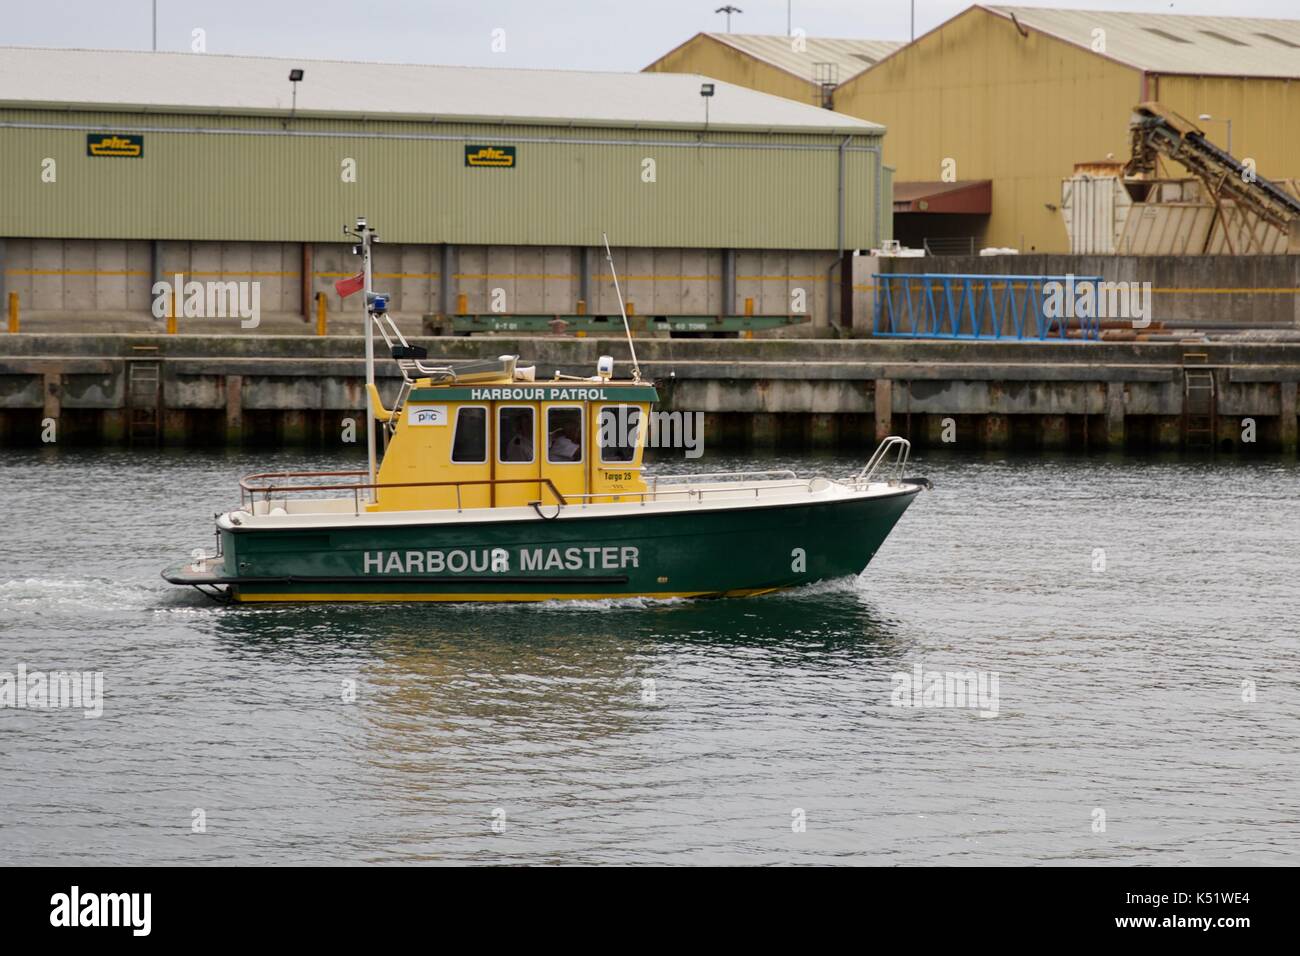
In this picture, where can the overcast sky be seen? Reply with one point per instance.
(555, 34)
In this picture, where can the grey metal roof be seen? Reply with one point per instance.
(210, 83)
(1174, 43)
(800, 56)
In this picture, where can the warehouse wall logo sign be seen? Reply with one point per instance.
(114, 144)
(208, 300)
(491, 157)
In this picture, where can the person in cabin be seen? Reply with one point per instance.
(564, 445)
(520, 446)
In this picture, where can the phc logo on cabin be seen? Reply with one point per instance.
(499, 157)
(114, 144)
(426, 414)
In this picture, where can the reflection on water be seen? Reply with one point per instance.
(677, 731)
(519, 674)
(841, 618)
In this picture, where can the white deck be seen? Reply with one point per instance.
(288, 512)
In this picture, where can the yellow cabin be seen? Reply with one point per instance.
(507, 442)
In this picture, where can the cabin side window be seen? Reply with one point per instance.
(618, 432)
(469, 441)
(515, 431)
(563, 435)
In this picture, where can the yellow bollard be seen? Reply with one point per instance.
(631, 308)
(13, 311)
(582, 307)
(173, 307)
(320, 313)
(462, 304)
(749, 306)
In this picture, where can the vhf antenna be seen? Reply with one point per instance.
(609, 257)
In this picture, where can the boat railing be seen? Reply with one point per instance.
(657, 480)
(249, 492)
(270, 486)
(410, 361)
(893, 453)
(788, 481)
(392, 335)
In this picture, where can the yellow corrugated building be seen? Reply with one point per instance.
(1017, 95)
(807, 69)
(988, 112)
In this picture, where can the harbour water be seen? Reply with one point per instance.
(1133, 623)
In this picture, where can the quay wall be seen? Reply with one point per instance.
(218, 390)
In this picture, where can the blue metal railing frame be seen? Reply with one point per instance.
(976, 307)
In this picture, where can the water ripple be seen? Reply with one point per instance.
(1140, 617)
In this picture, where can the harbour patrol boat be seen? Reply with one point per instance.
(496, 487)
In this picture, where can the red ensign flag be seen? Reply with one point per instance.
(345, 287)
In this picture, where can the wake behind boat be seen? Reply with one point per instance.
(495, 487)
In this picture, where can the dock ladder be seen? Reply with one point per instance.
(144, 396)
(1200, 405)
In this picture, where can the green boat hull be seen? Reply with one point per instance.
(695, 553)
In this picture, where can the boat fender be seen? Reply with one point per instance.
(381, 414)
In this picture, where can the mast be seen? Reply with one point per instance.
(365, 236)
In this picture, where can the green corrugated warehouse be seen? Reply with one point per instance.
(123, 167)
